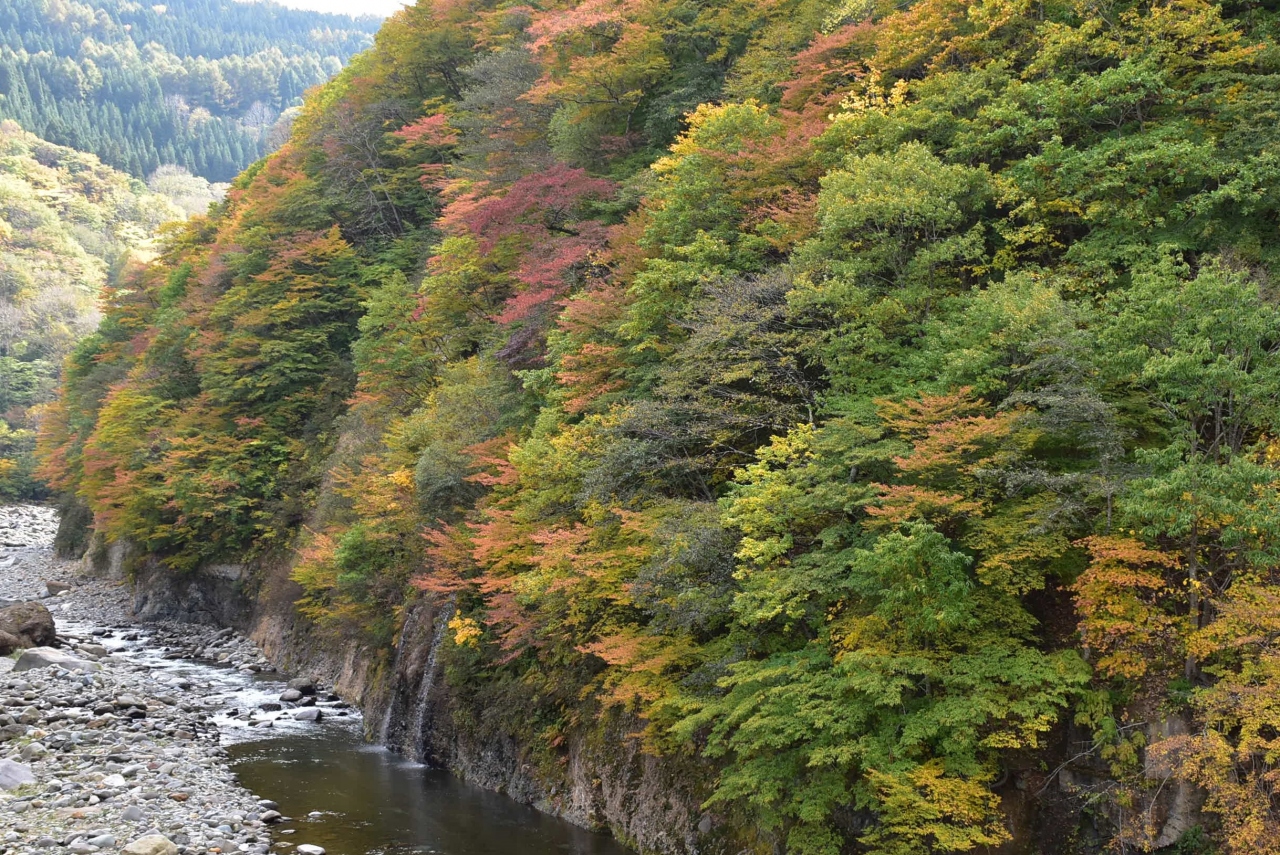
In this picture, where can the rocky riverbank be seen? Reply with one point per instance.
(117, 746)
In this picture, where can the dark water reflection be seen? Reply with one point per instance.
(371, 802)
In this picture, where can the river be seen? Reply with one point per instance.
(348, 796)
(351, 797)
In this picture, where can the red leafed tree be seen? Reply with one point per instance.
(549, 27)
(430, 130)
(951, 439)
(823, 72)
(543, 203)
(541, 222)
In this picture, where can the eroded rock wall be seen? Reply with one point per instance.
(601, 779)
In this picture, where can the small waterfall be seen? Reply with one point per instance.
(410, 623)
(413, 671)
(438, 630)
(386, 723)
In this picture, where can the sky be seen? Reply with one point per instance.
(347, 7)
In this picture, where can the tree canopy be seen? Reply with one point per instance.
(876, 402)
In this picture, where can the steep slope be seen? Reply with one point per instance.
(862, 418)
(199, 84)
(68, 225)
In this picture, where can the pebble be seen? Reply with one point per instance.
(151, 844)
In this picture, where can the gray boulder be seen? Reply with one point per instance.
(14, 775)
(48, 657)
(305, 685)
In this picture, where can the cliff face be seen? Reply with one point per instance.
(602, 779)
(256, 599)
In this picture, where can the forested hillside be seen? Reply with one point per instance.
(67, 224)
(877, 401)
(199, 84)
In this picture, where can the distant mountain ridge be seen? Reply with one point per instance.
(201, 84)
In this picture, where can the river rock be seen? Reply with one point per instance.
(152, 844)
(56, 588)
(14, 775)
(305, 685)
(308, 714)
(30, 622)
(310, 849)
(48, 657)
(290, 695)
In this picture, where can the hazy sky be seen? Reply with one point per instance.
(348, 7)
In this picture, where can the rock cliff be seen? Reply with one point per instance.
(602, 780)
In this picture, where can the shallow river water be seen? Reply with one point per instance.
(342, 793)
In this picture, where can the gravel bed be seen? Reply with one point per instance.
(117, 748)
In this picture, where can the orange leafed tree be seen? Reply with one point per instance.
(1122, 598)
